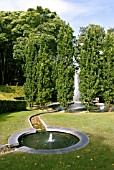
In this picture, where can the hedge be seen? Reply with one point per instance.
(12, 106)
(20, 98)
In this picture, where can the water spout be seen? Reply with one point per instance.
(76, 90)
(51, 138)
(77, 105)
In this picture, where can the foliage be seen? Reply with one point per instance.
(30, 86)
(12, 106)
(89, 47)
(10, 69)
(65, 67)
(37, 50)
(40, 68)
(15, 28)
(39, 58)
(44, 71)
(108, 69)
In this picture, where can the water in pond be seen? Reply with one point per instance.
(41, 140)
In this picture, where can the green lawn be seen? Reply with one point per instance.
(13, 122)
(97, 155)
(8, 92)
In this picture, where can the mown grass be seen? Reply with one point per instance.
(97, 155)
(9, 92)
(13, 122)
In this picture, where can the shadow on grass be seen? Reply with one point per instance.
(5, 116)
(8, 115)
(95, 156)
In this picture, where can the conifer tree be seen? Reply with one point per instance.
(108, 69)
(44, 74)
(30, 86)
(65, 67)
(89, 56)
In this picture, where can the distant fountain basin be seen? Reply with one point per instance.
(76, 106)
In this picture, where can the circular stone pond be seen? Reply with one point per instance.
(48, 140)
(55, 140)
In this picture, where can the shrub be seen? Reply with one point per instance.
(12, 106)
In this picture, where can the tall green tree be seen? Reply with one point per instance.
(38, 22)
(88, 54)
(42, 35)
(31, 53)
(44, 85)
(108, 69)
(5, 44)
(10, 69)
(65, 67)
(40, 69)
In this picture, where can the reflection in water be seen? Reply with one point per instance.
(39, 140)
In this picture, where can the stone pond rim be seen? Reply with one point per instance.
(13, 141)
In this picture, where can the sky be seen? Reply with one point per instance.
(77, 13)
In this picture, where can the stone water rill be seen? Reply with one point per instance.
(51, 143)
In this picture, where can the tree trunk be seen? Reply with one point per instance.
(110, 108)
(3, 67)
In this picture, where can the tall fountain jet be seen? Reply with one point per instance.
(76, 96)
(77, 105)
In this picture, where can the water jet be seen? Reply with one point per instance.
(76, 105)
(50, 139)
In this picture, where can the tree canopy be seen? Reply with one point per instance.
(38, 50)
(94, 54)
(41, 45)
